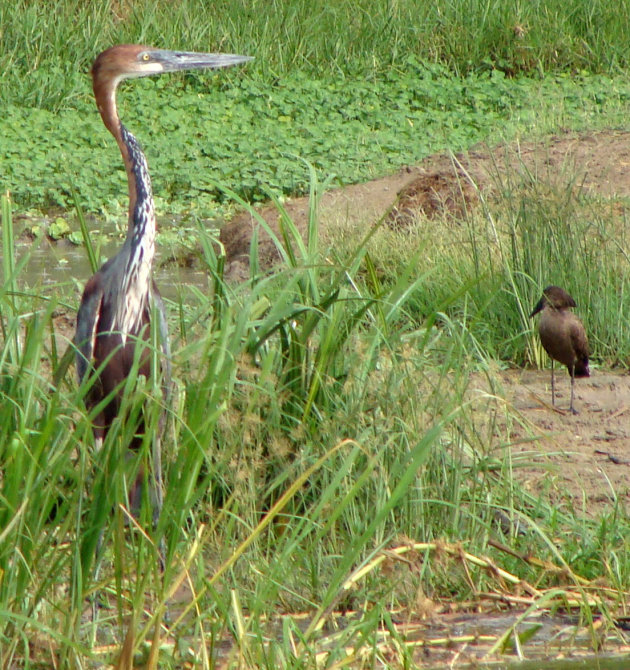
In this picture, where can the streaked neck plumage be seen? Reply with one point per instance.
(136, 256)
(139, 246)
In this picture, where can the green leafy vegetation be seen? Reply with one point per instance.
(249, 136)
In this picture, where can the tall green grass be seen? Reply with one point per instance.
(486, 271)
(44, 67)
(317, 419)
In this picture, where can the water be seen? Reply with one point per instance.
(61, 267)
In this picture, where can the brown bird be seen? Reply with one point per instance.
(562, 335)
(113, 322)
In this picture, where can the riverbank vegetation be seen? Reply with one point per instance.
(340, 460)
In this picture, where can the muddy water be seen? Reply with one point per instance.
(443, 642)
(465, 642)
(557, 642)
(586, 663)
(62, 264)
(590, 663)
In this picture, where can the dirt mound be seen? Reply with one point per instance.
(434, 195)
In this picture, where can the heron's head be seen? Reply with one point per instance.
(125, 61)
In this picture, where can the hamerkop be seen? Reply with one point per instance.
(562, 335)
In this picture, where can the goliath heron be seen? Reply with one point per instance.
(118, 301)
(562, 335)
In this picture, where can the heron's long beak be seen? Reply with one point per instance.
(172, 61)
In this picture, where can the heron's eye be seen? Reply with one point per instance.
(145, 56)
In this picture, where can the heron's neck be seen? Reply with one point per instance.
(139, 248)
(141, 208)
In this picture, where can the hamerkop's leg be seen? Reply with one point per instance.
(572, 371)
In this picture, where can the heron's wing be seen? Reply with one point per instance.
(87, 325)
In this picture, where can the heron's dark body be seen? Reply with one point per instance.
(118, 357)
